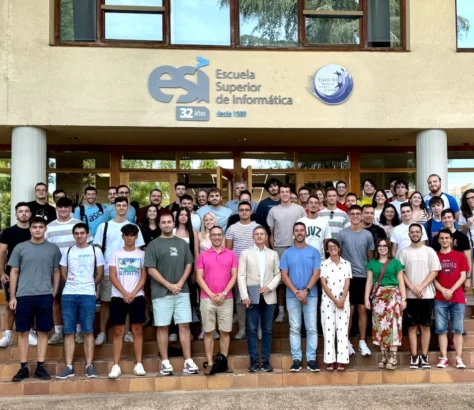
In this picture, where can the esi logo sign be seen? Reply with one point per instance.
(188, 78)
(332, 84)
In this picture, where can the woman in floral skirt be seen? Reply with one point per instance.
(385, 294)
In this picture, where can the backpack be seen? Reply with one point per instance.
(95, 259)
(82, 213)
(220, 364)
(429, 227)
(104, 237)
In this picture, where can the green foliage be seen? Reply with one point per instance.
(5, 198)
(66, 21)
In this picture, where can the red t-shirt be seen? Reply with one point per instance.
(342, 206)
(452, 264)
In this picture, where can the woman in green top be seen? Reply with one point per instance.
(389, 301)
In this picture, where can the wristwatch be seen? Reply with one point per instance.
(308, 290)
(224, 293)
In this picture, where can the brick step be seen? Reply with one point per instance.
(238, 363)
(281, 345)
(153, 382)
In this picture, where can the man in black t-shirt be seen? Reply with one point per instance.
(460, 242)
(368, 214)
(40, 206)
(11, 237)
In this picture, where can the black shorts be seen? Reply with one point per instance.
(357, 291)
(119, 310)
(29, 308)
(419, 312)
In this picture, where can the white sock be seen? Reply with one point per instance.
(281, 309)
(165, 362)
(188, 360)
(7, 332)
(58, 329)
(70, 366)
(78, 328)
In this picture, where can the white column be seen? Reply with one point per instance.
(28, 164)
(431, 158)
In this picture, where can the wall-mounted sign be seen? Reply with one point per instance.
(332, 84)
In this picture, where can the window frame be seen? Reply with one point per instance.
(165, 10)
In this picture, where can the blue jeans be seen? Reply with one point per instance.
(455, 312)
(252, 314)
(80, 307)
(310, 315)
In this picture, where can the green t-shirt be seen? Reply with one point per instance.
(170, 257)
(391, 271)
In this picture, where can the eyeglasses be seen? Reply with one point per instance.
(244, 210)
(355, 214)
(41, 190)
(470, 198)
(331, 215)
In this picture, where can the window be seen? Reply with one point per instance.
(291, 24)
(464, 17)
(311, 160)
(268, 160)
(148, 160)
(396, 160)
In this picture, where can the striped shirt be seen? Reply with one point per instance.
(241, 236)
(60, 233)
(337, 220)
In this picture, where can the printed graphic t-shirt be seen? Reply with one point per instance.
(129, 270)
(452, 264)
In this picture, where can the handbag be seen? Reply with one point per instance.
(379, 279)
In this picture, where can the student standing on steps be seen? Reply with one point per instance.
(421, 268)
(34, 282)
(79, 263)
(128, 277)
(11, 237)
(91, 212)
(169, 262)
(40, 206)
(109, 239)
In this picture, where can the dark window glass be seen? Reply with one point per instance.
(203, 22)
(383, 23)
(78, 20)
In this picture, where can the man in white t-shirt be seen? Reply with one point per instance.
(317, 229)
(78, 265)
(128, 277)
(336, 218)
(109, 238)
(400, 236)
(59, 232)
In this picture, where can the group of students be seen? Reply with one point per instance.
(202, 261)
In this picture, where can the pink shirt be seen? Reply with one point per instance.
(217, 267)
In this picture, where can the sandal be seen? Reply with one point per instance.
(330, 368)
(340, 367)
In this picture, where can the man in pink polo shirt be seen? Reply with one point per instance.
(216, 275)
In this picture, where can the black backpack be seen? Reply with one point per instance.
(95, 259)
(82, 213)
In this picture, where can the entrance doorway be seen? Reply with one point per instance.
(142, 182)
(324, 179)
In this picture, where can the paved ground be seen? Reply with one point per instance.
(432, 397)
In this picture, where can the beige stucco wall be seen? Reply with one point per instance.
(429, 87)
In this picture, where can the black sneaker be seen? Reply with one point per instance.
(253, 368)
(425, 363)
(415, 361)
(266, 367)
(22, 374)
(296, 366)
(42, 374)
(313, 366)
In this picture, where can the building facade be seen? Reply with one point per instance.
(105, 92)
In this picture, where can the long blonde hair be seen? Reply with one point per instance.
(204, 234)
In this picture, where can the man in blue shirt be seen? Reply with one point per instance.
(109, 212)
(221, 213)
(272, 186)
(300, 269)
(91, 212)
(233, 205)
(449, 202)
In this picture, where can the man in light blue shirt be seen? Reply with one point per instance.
(233, 205)
(300, 269)
(109, 212)
(221, 213)
(91, 212)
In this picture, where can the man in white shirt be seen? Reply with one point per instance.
(336, 218)
(109, 239)
(317, 229)
(400, 236)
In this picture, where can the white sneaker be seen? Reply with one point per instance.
(56, 339)
(240, 334)
(138, 370)
(195, 316)
(128, 338)
(201, 335)
(173, 337)
(217, 335)
(351, 350)
(280, 318)
(100, 339)
(364, 349)
(79, 338)
(33, 338)
(6, 339)
(190, 367)
(166, 369)
(115, 372)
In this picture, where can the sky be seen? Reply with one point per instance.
(465, 8)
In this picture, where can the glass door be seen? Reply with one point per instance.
(322, 179)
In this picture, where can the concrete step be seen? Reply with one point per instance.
(153, 382)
